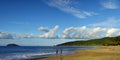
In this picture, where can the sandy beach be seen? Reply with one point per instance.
(103, 53)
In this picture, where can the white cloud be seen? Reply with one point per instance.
(68, 6)
(16, 36)
(94, 32)
(11, 35)
(73, 32)
(66, 33)
(43, 29)
(110, 4)
(82, 32)
(79, 32)
(50, 33)
(113, 32)
(109, 23)
(89, 33)
(5, 35)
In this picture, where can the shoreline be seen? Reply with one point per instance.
(94, 47)
(102, 53)
(64, 54)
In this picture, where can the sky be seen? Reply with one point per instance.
(33, 20)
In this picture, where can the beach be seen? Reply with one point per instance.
(102, 53)
(34, 52)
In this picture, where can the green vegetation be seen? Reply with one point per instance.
(106, 41)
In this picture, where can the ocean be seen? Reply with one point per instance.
(32, 52)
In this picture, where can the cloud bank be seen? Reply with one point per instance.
(68, 6)
(20, 36)
(82, 32)
(5, 35)
(8, 35)
(89, 33)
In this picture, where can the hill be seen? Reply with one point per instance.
(12, 45)
(106, 41)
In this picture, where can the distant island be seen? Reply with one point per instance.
(106, 41)
(12, 45)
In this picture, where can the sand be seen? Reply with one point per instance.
(103, 53)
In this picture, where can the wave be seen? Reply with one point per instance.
(24, 56)
(23, 53)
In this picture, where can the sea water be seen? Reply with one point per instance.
(31, 52)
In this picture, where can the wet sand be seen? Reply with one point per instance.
(103, 53)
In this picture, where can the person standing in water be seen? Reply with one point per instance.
(56, 52)
(60, 52)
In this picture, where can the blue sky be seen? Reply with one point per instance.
(59, 19)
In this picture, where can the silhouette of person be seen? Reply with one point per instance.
(56, 52)
(60, 52)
